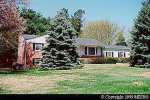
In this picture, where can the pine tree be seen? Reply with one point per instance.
(61, 51)
(140, 55)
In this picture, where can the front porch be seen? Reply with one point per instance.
(90, 51)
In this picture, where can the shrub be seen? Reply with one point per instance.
(108, 60)
(83, 61)
(122, 60)
(31, 68)
(16, 66)
(111, 60)
(102, 60)
(97, 60)
(5, 70)
(91, 60)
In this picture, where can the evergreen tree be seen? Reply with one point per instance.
(77, 21)
(36, 23)
(140, 56)
(121, 40)
(61, 51)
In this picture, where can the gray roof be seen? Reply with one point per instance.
(116, 46)
(83, 41)
(27, 37)
(88, 42)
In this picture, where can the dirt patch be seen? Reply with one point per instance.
(122, 64)
(33, 84)
(146, 74)
(139, 84)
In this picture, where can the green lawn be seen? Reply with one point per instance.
(91, 79)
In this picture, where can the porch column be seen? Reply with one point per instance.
(95, 50)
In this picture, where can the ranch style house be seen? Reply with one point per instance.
(29, 49)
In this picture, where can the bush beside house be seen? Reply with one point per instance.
(108, 60)
(122, 60)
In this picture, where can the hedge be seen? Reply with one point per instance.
(108, 60)
(83, 61)
(122, 60)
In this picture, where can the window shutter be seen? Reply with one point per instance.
(85, 50)
(96, 50)
(106, 54)
(118, 54)
(124, 54)
(112, 54)
(34, 46)
(42, 45)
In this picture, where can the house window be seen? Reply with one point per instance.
(109, 54)
(36, 61)
(121, 54)
(92, 50)
(37, 46)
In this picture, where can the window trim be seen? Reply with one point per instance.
(35, 44)
(89, 50)
(110, 53)
(34, 61)
(123, 53)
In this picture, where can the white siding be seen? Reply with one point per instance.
(115, 52)
(98, 50)
(40, 39)
(82, 50)
(127, 54)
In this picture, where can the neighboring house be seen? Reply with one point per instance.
(29, 49)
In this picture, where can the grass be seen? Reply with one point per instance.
(91, 79)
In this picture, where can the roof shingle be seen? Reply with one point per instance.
(27, 37)
(116, 46)
(82, 41)
(88, 42)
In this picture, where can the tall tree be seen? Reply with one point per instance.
(121, 40)
(77, 21)
(65, 11)
(140, 55)
(36, 23)
(104, 31)
(61, 51)
(11, 24)
(128, 36)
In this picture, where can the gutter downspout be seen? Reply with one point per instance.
(25, 50)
